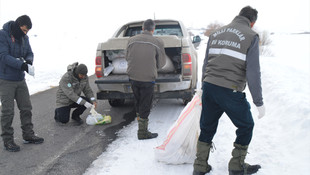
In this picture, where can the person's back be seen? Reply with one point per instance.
(227, 54)
(232, 60)
(144, 56)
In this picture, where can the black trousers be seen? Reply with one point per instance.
(143, 92)
(215, 101)
(62, 114)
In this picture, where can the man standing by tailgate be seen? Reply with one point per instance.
(145, 54)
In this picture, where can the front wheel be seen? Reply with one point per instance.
(116, 102)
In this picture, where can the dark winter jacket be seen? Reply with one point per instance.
(145, 54)
(11, 50)
(70, 89)
(232, 58)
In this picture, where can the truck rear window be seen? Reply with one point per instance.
(159, 30)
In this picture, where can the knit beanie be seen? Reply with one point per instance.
(24, 20)
(81, 69)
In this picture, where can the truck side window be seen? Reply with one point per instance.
(133, 31)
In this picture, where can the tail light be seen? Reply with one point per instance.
(98, 67)
(187, 64)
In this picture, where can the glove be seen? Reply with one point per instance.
(28, 68)
(261, 111)
(24, 67)
(29, 62)
(88, 105)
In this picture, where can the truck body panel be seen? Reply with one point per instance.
(178, 82)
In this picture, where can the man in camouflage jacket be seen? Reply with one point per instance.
(72, 84)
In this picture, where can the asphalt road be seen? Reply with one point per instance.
(68, 149)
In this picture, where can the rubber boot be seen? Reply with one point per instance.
(143, 132)
(237, 166)
(201, 165)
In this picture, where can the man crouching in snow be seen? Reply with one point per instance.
(72, 84)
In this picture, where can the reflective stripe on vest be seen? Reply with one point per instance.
(228, 52)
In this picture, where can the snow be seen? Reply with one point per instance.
(281, 139)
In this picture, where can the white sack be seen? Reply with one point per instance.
(168, 67)
(180, 144)
(120, 66)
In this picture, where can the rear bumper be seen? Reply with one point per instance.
(166, 86)
(185, 94)
(124, 79)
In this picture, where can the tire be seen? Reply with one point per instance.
(116, 102)
(185, 101)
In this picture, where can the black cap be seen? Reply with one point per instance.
(81, 69)
(24, 20)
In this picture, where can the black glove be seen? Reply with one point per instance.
(29, 62)
(24, 67)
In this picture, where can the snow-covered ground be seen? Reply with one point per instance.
(68, 31)
(280, 141)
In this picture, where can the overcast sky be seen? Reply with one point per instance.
(74, 16)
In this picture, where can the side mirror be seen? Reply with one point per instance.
(196, 39)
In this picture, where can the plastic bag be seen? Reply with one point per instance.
(108, 70)
(112, 54)
(94, 118)
(180, 144)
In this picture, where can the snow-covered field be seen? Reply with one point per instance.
(280, 141)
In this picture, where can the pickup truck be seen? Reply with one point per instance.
(177, 79)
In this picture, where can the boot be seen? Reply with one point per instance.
(78, 120)
(33, 139)
(11, 146)
(237, 166)
(76, 117)
(143, 132)
(201, 165)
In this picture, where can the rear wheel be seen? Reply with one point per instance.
(185, 101)
(116, 102)
(188, 99)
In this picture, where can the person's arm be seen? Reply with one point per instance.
(5, 57)
(89, 92)
(68, 90)
(29, 55)
(205, 62)
(253, 74)
(161, 55)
